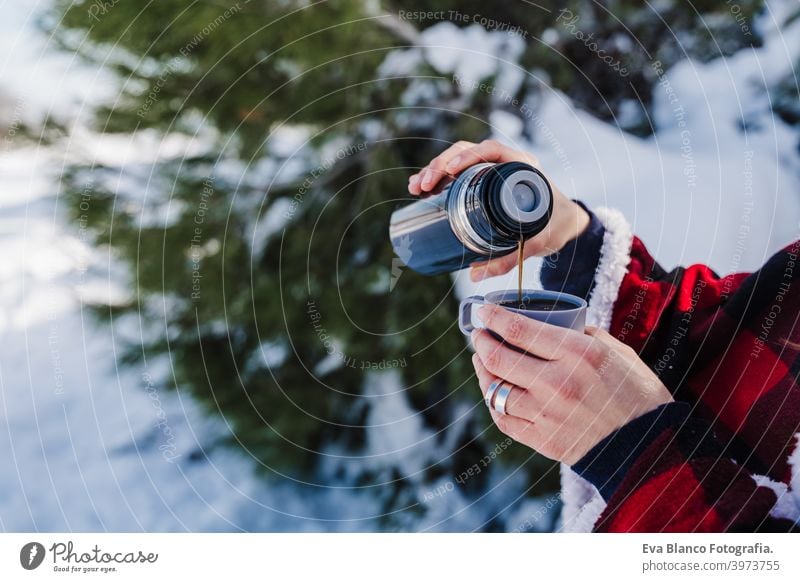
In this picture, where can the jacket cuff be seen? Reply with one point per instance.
(572, 269)
(607, 463)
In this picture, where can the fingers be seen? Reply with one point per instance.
(489, 151)
(522, 421)
(503, 362)
(434, 183)
(534, 247)
(535, 337)
(521, 402)
(427, 179)
(440, 166)
(513, 425)
(460, 156)
(485, 378)
(492, 268)
(519, 429)
(413, 184)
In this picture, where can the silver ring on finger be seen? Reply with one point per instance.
(502, 397)
(490, 392)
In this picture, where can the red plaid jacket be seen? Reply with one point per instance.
(725, 455)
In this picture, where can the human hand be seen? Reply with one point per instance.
(571, 389)
(567, 222)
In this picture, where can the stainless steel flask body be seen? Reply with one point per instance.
(481, 215)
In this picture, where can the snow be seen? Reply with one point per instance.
(473, 53)
(479, 54)
(88, 446)
(400, 438)
(43, 81)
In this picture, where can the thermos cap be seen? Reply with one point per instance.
(521, 196)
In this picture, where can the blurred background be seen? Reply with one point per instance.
(204, 326)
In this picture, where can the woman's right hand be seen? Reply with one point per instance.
(567, 222)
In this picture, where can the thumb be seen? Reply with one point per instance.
(493, 268)
(601, 335)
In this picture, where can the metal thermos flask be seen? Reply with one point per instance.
(481, 215)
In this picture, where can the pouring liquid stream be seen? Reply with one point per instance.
(520, 259)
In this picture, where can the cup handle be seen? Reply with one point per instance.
(465, 313)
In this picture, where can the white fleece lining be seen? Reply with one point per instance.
(614, 258)
(794, 466)
(794, 478)
(786, 505)
(582, 503)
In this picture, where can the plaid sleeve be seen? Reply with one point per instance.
(651, 299)
(629, 293)
(607, 463)
(667, 472)
(727, 459)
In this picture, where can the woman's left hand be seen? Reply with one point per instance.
(571, 389)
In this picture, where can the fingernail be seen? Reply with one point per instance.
(454, 163)
(484, 311)
(412, 182)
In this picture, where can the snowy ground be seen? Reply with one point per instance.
(82, 442)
